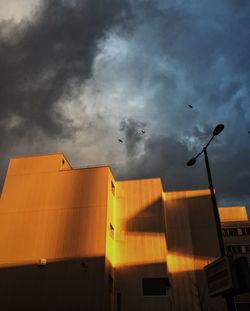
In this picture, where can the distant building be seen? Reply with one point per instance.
(77, 239)
(236, 232)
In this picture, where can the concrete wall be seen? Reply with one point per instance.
(50, 211)
(140, 244)
(192, 244)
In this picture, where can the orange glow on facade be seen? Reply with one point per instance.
(188, 194)
(178, 263)
(53, 212)
(141, 249)
(117, 233)
(234, 213)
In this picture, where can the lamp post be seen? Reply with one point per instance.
(217, 130)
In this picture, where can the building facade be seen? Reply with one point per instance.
(236, 233)
(77, 239)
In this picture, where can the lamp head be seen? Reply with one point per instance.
(218, 129)
(191, 162)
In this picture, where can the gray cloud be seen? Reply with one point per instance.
(41, 63)
(196, 54)
(47, 59)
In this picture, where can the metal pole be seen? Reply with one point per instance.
(215, 207)
(230, 303)
(229, 299)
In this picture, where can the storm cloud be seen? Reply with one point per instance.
(77, 77)
(46, 59)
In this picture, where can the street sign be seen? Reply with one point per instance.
(220, 276)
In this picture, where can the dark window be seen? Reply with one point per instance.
(235, 231)
(236, 249)
(111, 231)
(247, 248)
(246, 231)
(155, 286)
(63, 161)
(112, 187)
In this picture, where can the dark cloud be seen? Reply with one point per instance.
(49, 57)
(203, 50)
(166, 157)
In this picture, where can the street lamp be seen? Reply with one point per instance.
(217, 130)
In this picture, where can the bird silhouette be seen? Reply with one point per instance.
(143, 132)
(190, 106)
(120, 140)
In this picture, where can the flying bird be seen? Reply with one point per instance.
(120, 140)
(190, 106)
(143, 132)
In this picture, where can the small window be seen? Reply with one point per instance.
(63, 161)
(244, 231)
(239, 231)
(247, 248)
(235, 232)
(155, 286)
(111, 231)
(112, 187)
(234, 249)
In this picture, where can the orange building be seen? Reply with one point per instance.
(77, 239)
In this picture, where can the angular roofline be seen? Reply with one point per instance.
(187, 190)
(63, 155)
(90, 166)
(38, 155)
(149, 178)
(44, 155)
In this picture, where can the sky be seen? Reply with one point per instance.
(76, 76)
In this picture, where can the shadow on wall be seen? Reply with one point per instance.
(80, 285)
(191, 238)
(148, 220)
(183, 290)
(189, 225)
(189, 292)
(65, 285)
